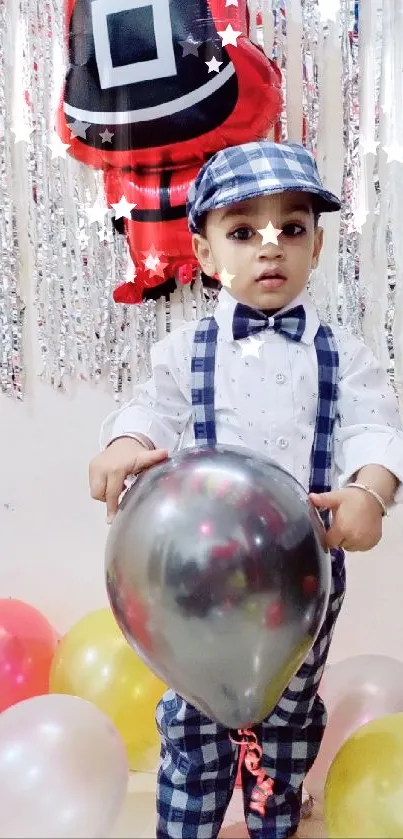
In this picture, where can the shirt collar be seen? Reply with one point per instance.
(226, 304)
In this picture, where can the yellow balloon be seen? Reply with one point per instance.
(94, 661)
(364, 787)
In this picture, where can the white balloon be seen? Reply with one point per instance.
(63, 770)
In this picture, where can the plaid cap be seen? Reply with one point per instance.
(260, 168)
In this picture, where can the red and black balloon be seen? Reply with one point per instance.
(141, 102)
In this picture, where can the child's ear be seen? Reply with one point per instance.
(318, 244)
(203, 254)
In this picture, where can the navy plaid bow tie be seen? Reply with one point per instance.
(249, 321)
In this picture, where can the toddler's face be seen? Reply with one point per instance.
(266, 269)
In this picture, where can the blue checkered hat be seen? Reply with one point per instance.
(261, 168)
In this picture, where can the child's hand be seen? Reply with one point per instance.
(109, 470)
(356, 518)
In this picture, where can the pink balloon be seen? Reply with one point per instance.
(354, 691)
(63, 770)
(27, 645)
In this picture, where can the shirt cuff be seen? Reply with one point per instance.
(136, 421)
(377, 448)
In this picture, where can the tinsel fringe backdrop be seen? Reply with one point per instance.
(342, 65)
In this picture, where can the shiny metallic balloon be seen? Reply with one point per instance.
(218, 575)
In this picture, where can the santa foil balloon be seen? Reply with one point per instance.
(153, 88)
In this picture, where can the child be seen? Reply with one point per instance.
(266, 374)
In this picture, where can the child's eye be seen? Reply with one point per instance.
(291, 230)
(241, 234)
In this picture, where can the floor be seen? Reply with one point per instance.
(137, 819)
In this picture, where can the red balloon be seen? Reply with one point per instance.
(27, 646)
(151, 91)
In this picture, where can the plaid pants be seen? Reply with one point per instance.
(199, 761)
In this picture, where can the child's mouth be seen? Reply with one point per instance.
(271, 282)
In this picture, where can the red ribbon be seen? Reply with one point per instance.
(263, 788)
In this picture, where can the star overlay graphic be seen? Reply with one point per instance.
(269, 234)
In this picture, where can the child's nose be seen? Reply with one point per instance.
(270, 250)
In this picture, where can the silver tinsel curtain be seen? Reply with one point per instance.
(342, 65)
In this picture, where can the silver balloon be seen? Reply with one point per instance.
(218, 575)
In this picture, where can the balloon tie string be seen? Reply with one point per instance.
(263, 788)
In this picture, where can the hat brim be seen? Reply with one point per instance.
(323, 201)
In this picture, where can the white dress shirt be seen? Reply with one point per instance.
(266, 390)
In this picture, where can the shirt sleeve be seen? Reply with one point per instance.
(369, 428)
(161, 407)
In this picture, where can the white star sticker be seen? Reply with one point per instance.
(231, 3)
(226, 278)
(22, 133)
(229, 36)
(360, 218)
(269, 234)
(394, 152)
(153, 262)
(369, 146)
(213, 65)
(58, 148)
(251, 346)
(329, 9)
(106, 136)
(123, 208)
(190, 47)
(105, 236)
(97, 212)
(79, 129)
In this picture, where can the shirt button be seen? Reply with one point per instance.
(281, 442)
(280, 378)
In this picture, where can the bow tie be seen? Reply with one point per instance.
(249, 321)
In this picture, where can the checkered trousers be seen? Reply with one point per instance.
(198, 759)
